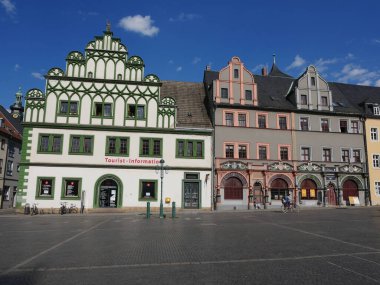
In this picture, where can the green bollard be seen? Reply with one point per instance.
(148, 210)
(173, 210)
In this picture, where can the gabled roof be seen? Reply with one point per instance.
(11, 126)
(189, 97)
(276, 72)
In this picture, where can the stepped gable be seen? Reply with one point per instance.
(189, 98)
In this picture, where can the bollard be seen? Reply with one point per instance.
(173, 210)
(148, 210)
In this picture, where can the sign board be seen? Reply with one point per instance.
(354, 200)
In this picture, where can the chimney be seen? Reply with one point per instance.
(264, 71)
(208, 67)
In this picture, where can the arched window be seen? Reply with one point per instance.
(90, 74)
(119, 77)
(279, 189)
(350, 189)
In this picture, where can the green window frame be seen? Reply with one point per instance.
(136, 111)
(189, 148)
(151, 147)
(50, 143)
(81, 144)
(148, 190)
(118, 146)
(102, 110)
(45, 188)
(68, 108)
(71, 188)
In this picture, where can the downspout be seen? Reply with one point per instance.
(367, 195)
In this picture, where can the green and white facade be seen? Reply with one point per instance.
(98, 132)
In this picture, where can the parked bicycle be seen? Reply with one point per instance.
(64, 209)
(292, 207)
(34, 209)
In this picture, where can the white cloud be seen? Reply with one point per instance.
(377, 83)
(365, 82)
(139, 24)
(257, 68)
(179, 68)
(298, 62)
(182, 17)
(322, 64)
(356, 73)
(350, 56)
(376, 41)
(9, 7)
(16, 67)
(196, 60)
(38, 75)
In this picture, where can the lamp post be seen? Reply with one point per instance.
(161, 168)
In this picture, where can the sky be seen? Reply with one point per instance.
(177, 39)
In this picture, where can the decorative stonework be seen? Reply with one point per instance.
(238, 165)
(309, 167)
(280, 166)
(351, 169)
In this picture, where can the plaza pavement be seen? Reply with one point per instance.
(320, 246)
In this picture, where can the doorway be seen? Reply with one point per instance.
(108, 194)
(191, 195)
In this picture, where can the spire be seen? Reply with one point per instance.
(275, 71)
(274, 58)
(108, 26)
(17, 109)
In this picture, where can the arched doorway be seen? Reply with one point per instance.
(258, 193)
(308, 190)
(233, 189)
(330, 194)
(279, 189)
(108, 192)
(350, 189)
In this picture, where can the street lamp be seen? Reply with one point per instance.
(162, 169)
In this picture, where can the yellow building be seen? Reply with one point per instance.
(373, 154)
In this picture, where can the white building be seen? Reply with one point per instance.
(101, 128)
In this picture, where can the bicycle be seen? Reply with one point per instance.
(67, 210)
(34, 209)
(290, 208)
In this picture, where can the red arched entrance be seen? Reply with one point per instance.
(350, 188)
(308, 190)
(233, 189)
(279, 189)
(330, 194)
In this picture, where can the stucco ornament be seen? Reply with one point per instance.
(309, 167)
(234, 165)
(280, 166)
(351, 168)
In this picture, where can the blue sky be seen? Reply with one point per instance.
(177, 39)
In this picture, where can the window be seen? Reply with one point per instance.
(248, 95)
(355, 127)
(9, 167)
(71, 188)
(90, 74)
(119, 77)
(148, 190)
(242, 151)
(50, 143)
(305, 153)
(261, 120)
(303, 99)
(326, 154)
(81, 144)
(11, 151)
(242, 120)
(325, 125)
(284, 153)
(1, 166)
(68, 108)
(345, 155)
(230, 119)
(374, 134)
(136, 111)
(377, 187)
(304, 122)
(343, 126)
(356, 155)
(224, 93)
(151, 147)
(236, 73)
(375, 160)
(282, 123)
(45, 187)
(312, 79)
(103, 110)
(229, 150)
(262, 152)
(189, 149)
(2, 143)
(376, 110)
(324, 101)
(117, 146)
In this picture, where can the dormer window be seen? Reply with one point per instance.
(90, 74)
(236, 73)
(376, 110)
(324, 101)
(303, 100)
(312, 80)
